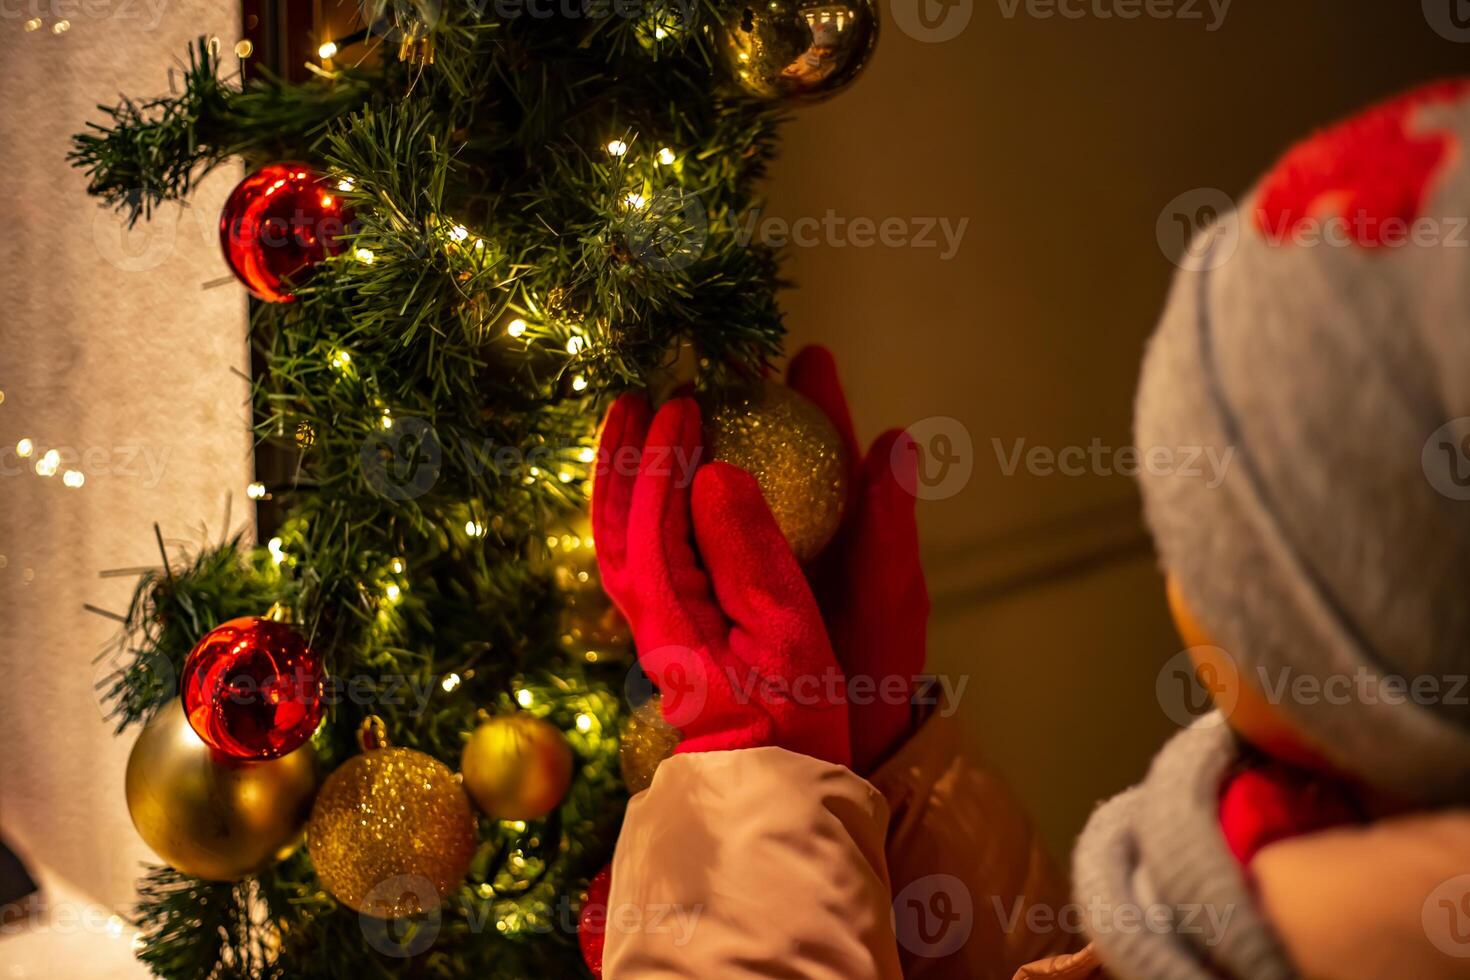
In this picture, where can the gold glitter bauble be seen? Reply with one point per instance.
(517, 767)
(793, 451)
(392, 833)
(646, 741)
(209, 815)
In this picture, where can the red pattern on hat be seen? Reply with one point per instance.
(1371, 169)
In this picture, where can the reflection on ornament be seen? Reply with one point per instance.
(278, 224)
(253, 689)
(517, 767)
(793, 451)
(799, 50)
(590, 626)
(209, 815)
(646, 741)
(392, 833)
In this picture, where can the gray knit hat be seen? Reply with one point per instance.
(1321, 333)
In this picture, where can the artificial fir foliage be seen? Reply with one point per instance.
(546, 209)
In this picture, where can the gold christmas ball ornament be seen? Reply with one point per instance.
(392, 833)
(517, 767)
(646, 741)
(209, 815)
(794, 452)
(798, 50)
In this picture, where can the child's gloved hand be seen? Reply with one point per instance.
(733, 637)
(869, 581)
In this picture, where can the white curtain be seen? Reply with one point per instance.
(113, 354)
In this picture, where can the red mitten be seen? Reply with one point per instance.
(737, 644)
(869, 581)
(1273, 801)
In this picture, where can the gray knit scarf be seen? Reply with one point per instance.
(1164, 897)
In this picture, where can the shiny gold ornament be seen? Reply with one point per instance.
(798, 50)
(793, 451)
(517, 767)
(590, 626)
(211, 816)
(392, 833)
(646, 741)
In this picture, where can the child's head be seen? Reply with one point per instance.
(1319, 339)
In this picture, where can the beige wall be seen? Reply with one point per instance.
(112, 352)
(1061, 141)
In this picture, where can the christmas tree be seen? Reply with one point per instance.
(467, 232)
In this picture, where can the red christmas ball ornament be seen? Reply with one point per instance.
(592, 924)
(278, 225)
(252, 689)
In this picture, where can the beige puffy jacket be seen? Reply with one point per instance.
(764, 863)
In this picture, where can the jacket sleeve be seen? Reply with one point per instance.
(756, 863)
(976, 894)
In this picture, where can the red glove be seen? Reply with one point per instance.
(869, 580)
(737, 644)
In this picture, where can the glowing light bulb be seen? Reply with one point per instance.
(450, 682)
(244, 48)
(393, 592)
(579, 383)
(459, 233)
(584, 722)
(586, 454)
(364, 255)
(73, 478)
(617, 148)
(255, 491)
(25, 448)
(48, 464)
(345, 184)
(327, 50)
(525, 698)
(516, 328)
(666, 156)
(576, 344)
(635, 200)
